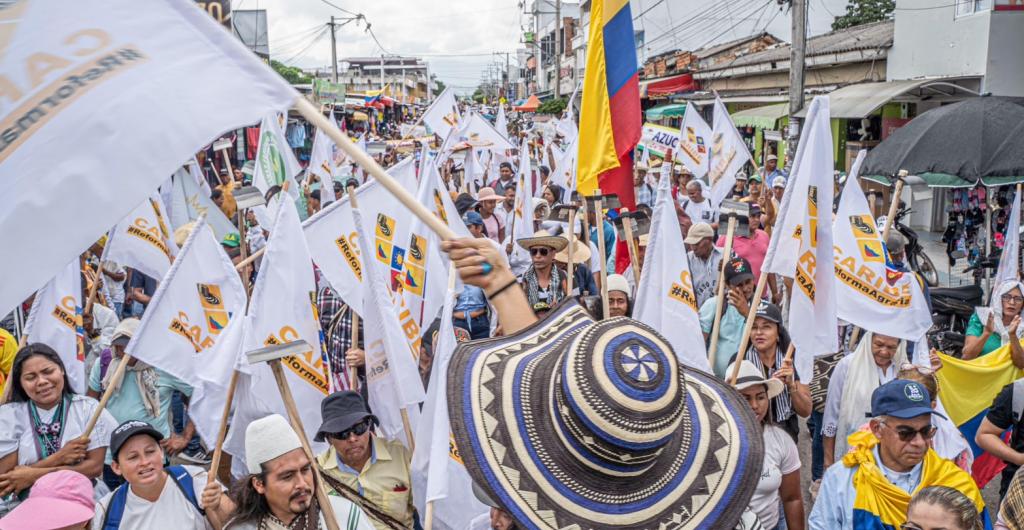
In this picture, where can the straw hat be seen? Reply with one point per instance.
(487, 194)
(750, 376)
(541, 238)
(580, 251)
(574, 423)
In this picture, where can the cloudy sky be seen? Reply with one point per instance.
(458, 37)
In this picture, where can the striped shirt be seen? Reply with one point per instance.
(782, 404)
(704, 274)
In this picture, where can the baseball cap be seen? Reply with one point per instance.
(57, 500)
(779, 182)
(231, 240)
(473, 218)
(756, 178)
(769, 311)
(698, 232)
(125, 329)
(128, 429)
(738, 270)
(902, 399)
(754, 209)
(772, 157)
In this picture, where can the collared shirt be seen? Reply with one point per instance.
(833, 403)
(730, 331)
(338, 332)
(644, 194)
(471, 298)
(833, 508)
(385, 479)
(704, 274)
(752, 249)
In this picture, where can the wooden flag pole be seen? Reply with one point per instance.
(428, 519)
(748, 326)
(634, 260)
(115, 381)
(353, 377)
(407, 425)
(314, 116)
(720, 297)
(894, 203)
(222, 432)
(572, 246)
(599, 221)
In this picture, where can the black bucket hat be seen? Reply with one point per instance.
(340, 411)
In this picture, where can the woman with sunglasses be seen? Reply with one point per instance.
(41, 427)
(991, 327)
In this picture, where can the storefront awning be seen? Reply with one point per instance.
(665, 111)
(764, 117)
(859, 101)
(665, 86)
(932, 180)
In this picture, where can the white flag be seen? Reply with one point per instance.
(1008, 260)
(501, 122)
(665, 299)
(189, 201)
(522, 209)
(479, 132)
(807, 218)
(282, 309)
(275, 162)
(438, 474)
(321, 164)
(728, 154)
(443, 114)
(392, 347)
(56, 320)
(100, 102)
(870, 294)
(331, 234)
(197, 174)
(693, 142)
(143, 240)
(198, 296)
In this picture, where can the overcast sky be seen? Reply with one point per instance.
(458, 37)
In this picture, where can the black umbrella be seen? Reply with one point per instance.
(975, 138)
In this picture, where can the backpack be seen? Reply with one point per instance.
(115, 510)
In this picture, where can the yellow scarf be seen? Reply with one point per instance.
(879, 503)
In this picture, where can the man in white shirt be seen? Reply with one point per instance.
(697, 206)
(155, 497)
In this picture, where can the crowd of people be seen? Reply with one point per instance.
(881, 446)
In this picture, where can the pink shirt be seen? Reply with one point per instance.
(751, 249)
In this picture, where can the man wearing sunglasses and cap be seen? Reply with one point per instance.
(871, 486)
(377, 469)
(545, 284)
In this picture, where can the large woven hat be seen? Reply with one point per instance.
(573, 423)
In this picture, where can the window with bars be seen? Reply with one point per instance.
(970, 7)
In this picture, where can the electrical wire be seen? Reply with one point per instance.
(713, 39)
(693, 22)
(343, 10)
(306, 49)
(717, 10)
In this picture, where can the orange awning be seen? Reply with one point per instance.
(530, 105)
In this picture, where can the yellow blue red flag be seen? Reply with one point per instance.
(610, 122)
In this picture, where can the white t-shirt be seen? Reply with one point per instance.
(16, 433)
(171, 510)
(115, 289)
(700, 212)
(781, 457)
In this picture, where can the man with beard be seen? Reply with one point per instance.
(280, 491)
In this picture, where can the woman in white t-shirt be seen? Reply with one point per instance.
(42, 425)
(780, 474)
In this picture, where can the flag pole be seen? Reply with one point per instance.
(353, 376)
(572, 246)
(222, 432)
(599, 221)
(894, 203)
(634, 261)
(720, 297)
(115, 382)
(308, 111)
(748, 326)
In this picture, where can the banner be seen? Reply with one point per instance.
(332, 234)
(729, 153)
(275, 161)
(805, 223)
(143, 240)
(438, 473)
(522, 211)
(869, 294)
(325, 91)
(392, 348)
(693, 142)
(665, 299)
(501, 122)
(657, 139)
(443, 114)
(189, 201)
(56, 320)
(195, 301)
(481, 134)
(101, 101)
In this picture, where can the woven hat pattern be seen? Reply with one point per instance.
(577, 424)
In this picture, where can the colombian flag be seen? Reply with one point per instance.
(610, 122)
(967, 402)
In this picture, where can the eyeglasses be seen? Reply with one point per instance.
(543, 251)
(906, 434)
(1012, 298)
(358, 429)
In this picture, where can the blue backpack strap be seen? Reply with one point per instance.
(183, 479)
(115, 509)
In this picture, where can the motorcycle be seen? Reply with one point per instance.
(916, 257)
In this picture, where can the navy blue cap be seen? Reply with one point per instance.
(473, 218)
(901, 399)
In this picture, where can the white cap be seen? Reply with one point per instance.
(125, 328)
(266, 439)
(618, 282)
(779, 182)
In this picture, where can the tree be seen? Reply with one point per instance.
(553, 106)
(291, 74)
(440, 87)
(478, 95)
(864, 12)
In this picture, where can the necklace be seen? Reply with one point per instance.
(48, 435)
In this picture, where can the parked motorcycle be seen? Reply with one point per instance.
(952, 308)
(916, 257)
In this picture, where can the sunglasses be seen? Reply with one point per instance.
(358, 429)
(906, 434)
(543, 251)
(1013, 298)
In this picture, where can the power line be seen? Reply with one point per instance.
(343, 10)
(310, 45)
(713, 39)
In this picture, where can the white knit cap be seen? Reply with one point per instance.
(618, 282)
(266, 439)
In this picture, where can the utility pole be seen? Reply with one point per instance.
(334, 54)
(536, 41)
(382, 74)
(798, 10)
(558, 48)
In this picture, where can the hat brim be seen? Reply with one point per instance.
(742, 277)
(509, 434)
(912, 412)
(581, 254)
(555, 242)
(494, 197)
(693, 239)
(38, 512)
(774, 386)
(341, 423)
(148, 431)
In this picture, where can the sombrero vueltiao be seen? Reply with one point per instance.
(573, 423)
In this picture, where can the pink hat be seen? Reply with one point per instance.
(487, 194)
(57, 500)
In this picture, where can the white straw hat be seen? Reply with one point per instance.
(266, 439)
